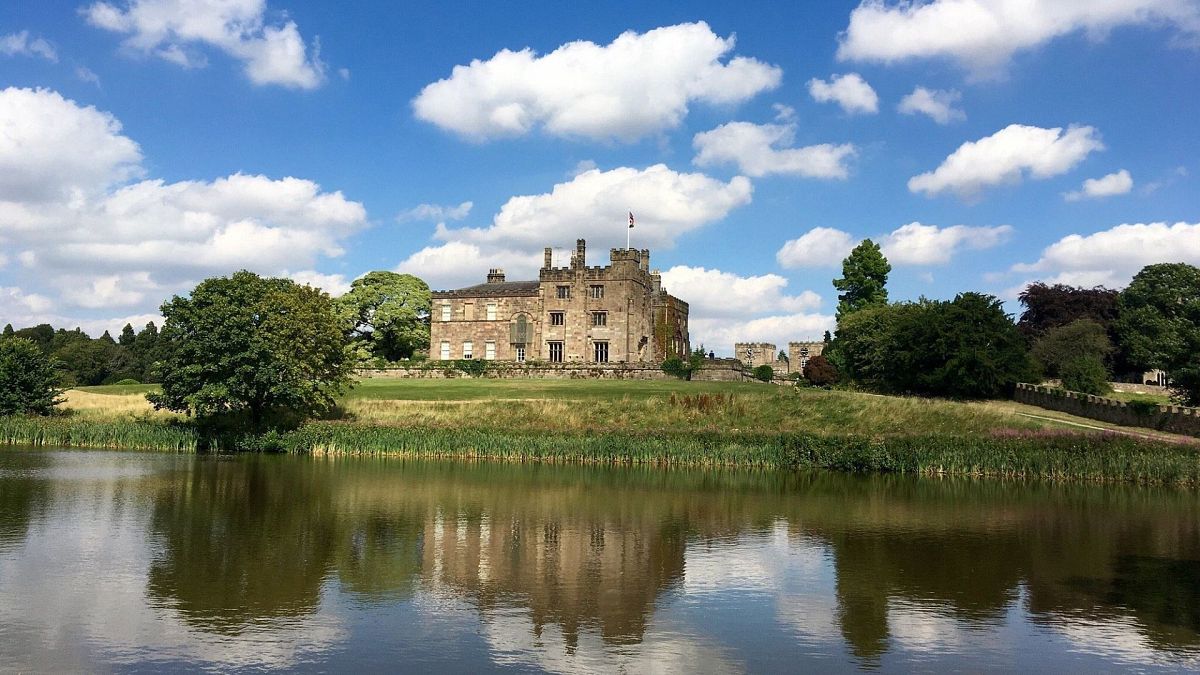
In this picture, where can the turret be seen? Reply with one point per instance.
(579, 260)
(548, 259)
(495, 276)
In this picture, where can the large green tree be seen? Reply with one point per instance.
(1063, 345)
(388, 312)
(28, 380)
(864, 279)
(1158, 320)
(265, 351)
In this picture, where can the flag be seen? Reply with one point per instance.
(631, 220)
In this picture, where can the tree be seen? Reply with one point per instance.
(820, 371)
(966, 348)
(389, 312)
(764, 372)
(259, 351)
(1086, 374)
(1158, 321)
(1062, 345)
(1048, 307)
(85, 362)
(28, 381)
(128, 337)
(864, 279)
(8, 331)
(41, 335)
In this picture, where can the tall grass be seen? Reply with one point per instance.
(80, 433)
(1015, 454)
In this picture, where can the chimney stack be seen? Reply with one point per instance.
(548, 260)
(579, 261)
(495, 276)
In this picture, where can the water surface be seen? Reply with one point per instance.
(145, 562)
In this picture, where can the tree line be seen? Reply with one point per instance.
(969, 347)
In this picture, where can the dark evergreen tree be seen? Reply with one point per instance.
(864, 279)
(8, 330)
(128, 337)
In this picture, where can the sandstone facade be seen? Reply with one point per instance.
(618, 313)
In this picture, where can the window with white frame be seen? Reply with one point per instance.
(558, 318)
(491, 311)
(468, 350)
(445, 351)
(597, 291)
(446, 312)
(521, 354)
(600, 352)
(489, 350)
(556, 352)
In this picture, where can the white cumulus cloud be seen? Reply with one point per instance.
(914, 244)
(712, 293)
(637, 85)
(1111, 257)
(1118, 183)
(1006, 156)
(87, 227)
(437, 212)
(936, 104)
(593, 205)
(21, 44)
(720, 335)
(176, 30)
(819, 247)
(761, 149)
(982, 35)
(918, 244)
(850, 91)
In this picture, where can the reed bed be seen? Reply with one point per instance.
(1013, 454)
(81, 433)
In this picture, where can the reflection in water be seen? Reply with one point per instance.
(300, 563)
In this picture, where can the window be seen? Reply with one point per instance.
(491, 311)
(600, 352)
(520, 354)
(599, 318)
(564, 292)
(468, 350)
(445, 351)
(489, 350)
(556, 352)
(446, 312)
(558, 318)
(469, 311)
(597, 291)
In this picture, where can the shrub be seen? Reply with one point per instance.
(472, 367)
(820, 371)
(28, 381)
(676, 367)
(127, 380)
(765, 373)
(1086, 375)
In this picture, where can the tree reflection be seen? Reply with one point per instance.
(23, 493)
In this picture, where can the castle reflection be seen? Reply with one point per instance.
(598, 555)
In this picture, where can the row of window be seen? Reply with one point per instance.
(560, 318)
(599, 351)
(564, 292)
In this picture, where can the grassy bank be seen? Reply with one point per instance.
(678, 423)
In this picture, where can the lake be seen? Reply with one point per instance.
(146, 562)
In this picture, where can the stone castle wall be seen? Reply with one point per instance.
(1175, 419)
(713, 370)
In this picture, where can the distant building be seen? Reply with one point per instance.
(619, 313)
(755, 354)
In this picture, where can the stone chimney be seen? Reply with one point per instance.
(495, 276)
(579, 260)
(548, 259)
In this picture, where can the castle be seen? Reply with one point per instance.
(755, 354)
(618, 313)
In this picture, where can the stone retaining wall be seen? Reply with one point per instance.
(716, 370)
(1175, 419)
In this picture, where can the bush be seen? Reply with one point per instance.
(676, 367)
(472, 367)
(1086, 375)
(1142, 406)
(127, 381)
(28, 381)
(764, 373)
(820, 371)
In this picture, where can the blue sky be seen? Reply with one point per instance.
(146, 145)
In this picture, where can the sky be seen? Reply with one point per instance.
(148, 144)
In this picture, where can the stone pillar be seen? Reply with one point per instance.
(548, 259)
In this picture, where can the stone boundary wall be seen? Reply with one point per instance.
(1172, 418)
(713, 370)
